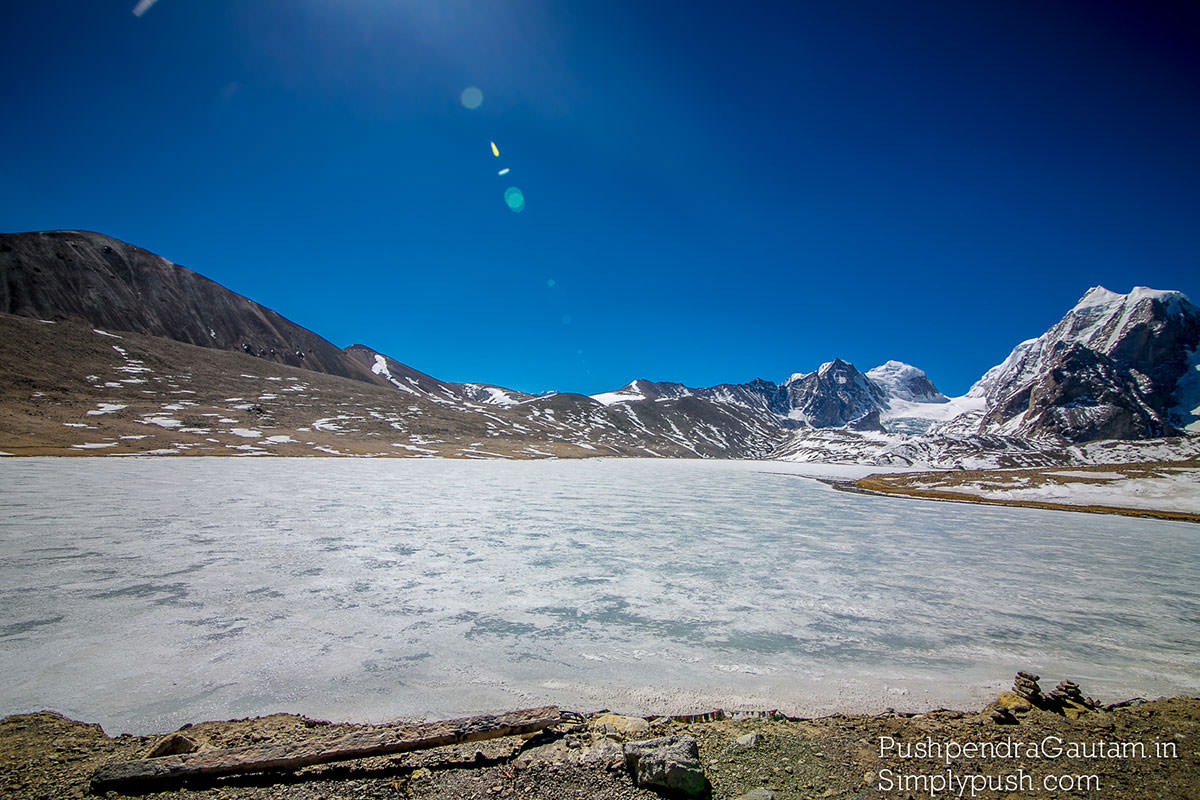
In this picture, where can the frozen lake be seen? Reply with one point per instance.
(145, 593)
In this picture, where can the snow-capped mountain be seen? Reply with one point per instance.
(914, 404)
(835, 394)
(891, 396)
(905, 382)
(107, 347)
(1116, 366)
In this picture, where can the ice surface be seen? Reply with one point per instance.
(144, 593)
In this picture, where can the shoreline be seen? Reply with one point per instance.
(684, 718)
(879, 490)
(833, 757)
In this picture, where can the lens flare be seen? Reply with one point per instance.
(471, 97)
(503, 171)
(495, 150)
(514, 199)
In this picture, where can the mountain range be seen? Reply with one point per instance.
(110, 348)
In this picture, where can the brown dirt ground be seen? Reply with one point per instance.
(45, 755)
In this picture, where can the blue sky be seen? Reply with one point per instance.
(714, 191)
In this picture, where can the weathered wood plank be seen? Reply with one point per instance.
(294, 755)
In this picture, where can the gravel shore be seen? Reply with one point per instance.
(1141, 749)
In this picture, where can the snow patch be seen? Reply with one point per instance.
(105, 408)
(626, 394)
(162, 422)
(380, 367)
(1177, 492)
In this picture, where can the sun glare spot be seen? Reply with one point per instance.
(514, 199)
(471, 96)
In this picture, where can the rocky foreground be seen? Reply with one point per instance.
(1027, 744)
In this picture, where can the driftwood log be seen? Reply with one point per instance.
(294, 755)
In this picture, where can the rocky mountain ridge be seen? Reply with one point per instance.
(1116, 367)
(79, 274)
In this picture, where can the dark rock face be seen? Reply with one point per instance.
(1082, 396)
(1108, 370)
(834, 395)
(116, 286)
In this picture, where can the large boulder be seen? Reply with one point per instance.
(670, 764)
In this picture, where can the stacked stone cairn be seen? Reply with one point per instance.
(1069, 700)
(1026, 695)
(1026, 686)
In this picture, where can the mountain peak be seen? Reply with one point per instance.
(836, 364)
(905, 382)
(1108, 369)
(1098, 296)
(837, 393)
